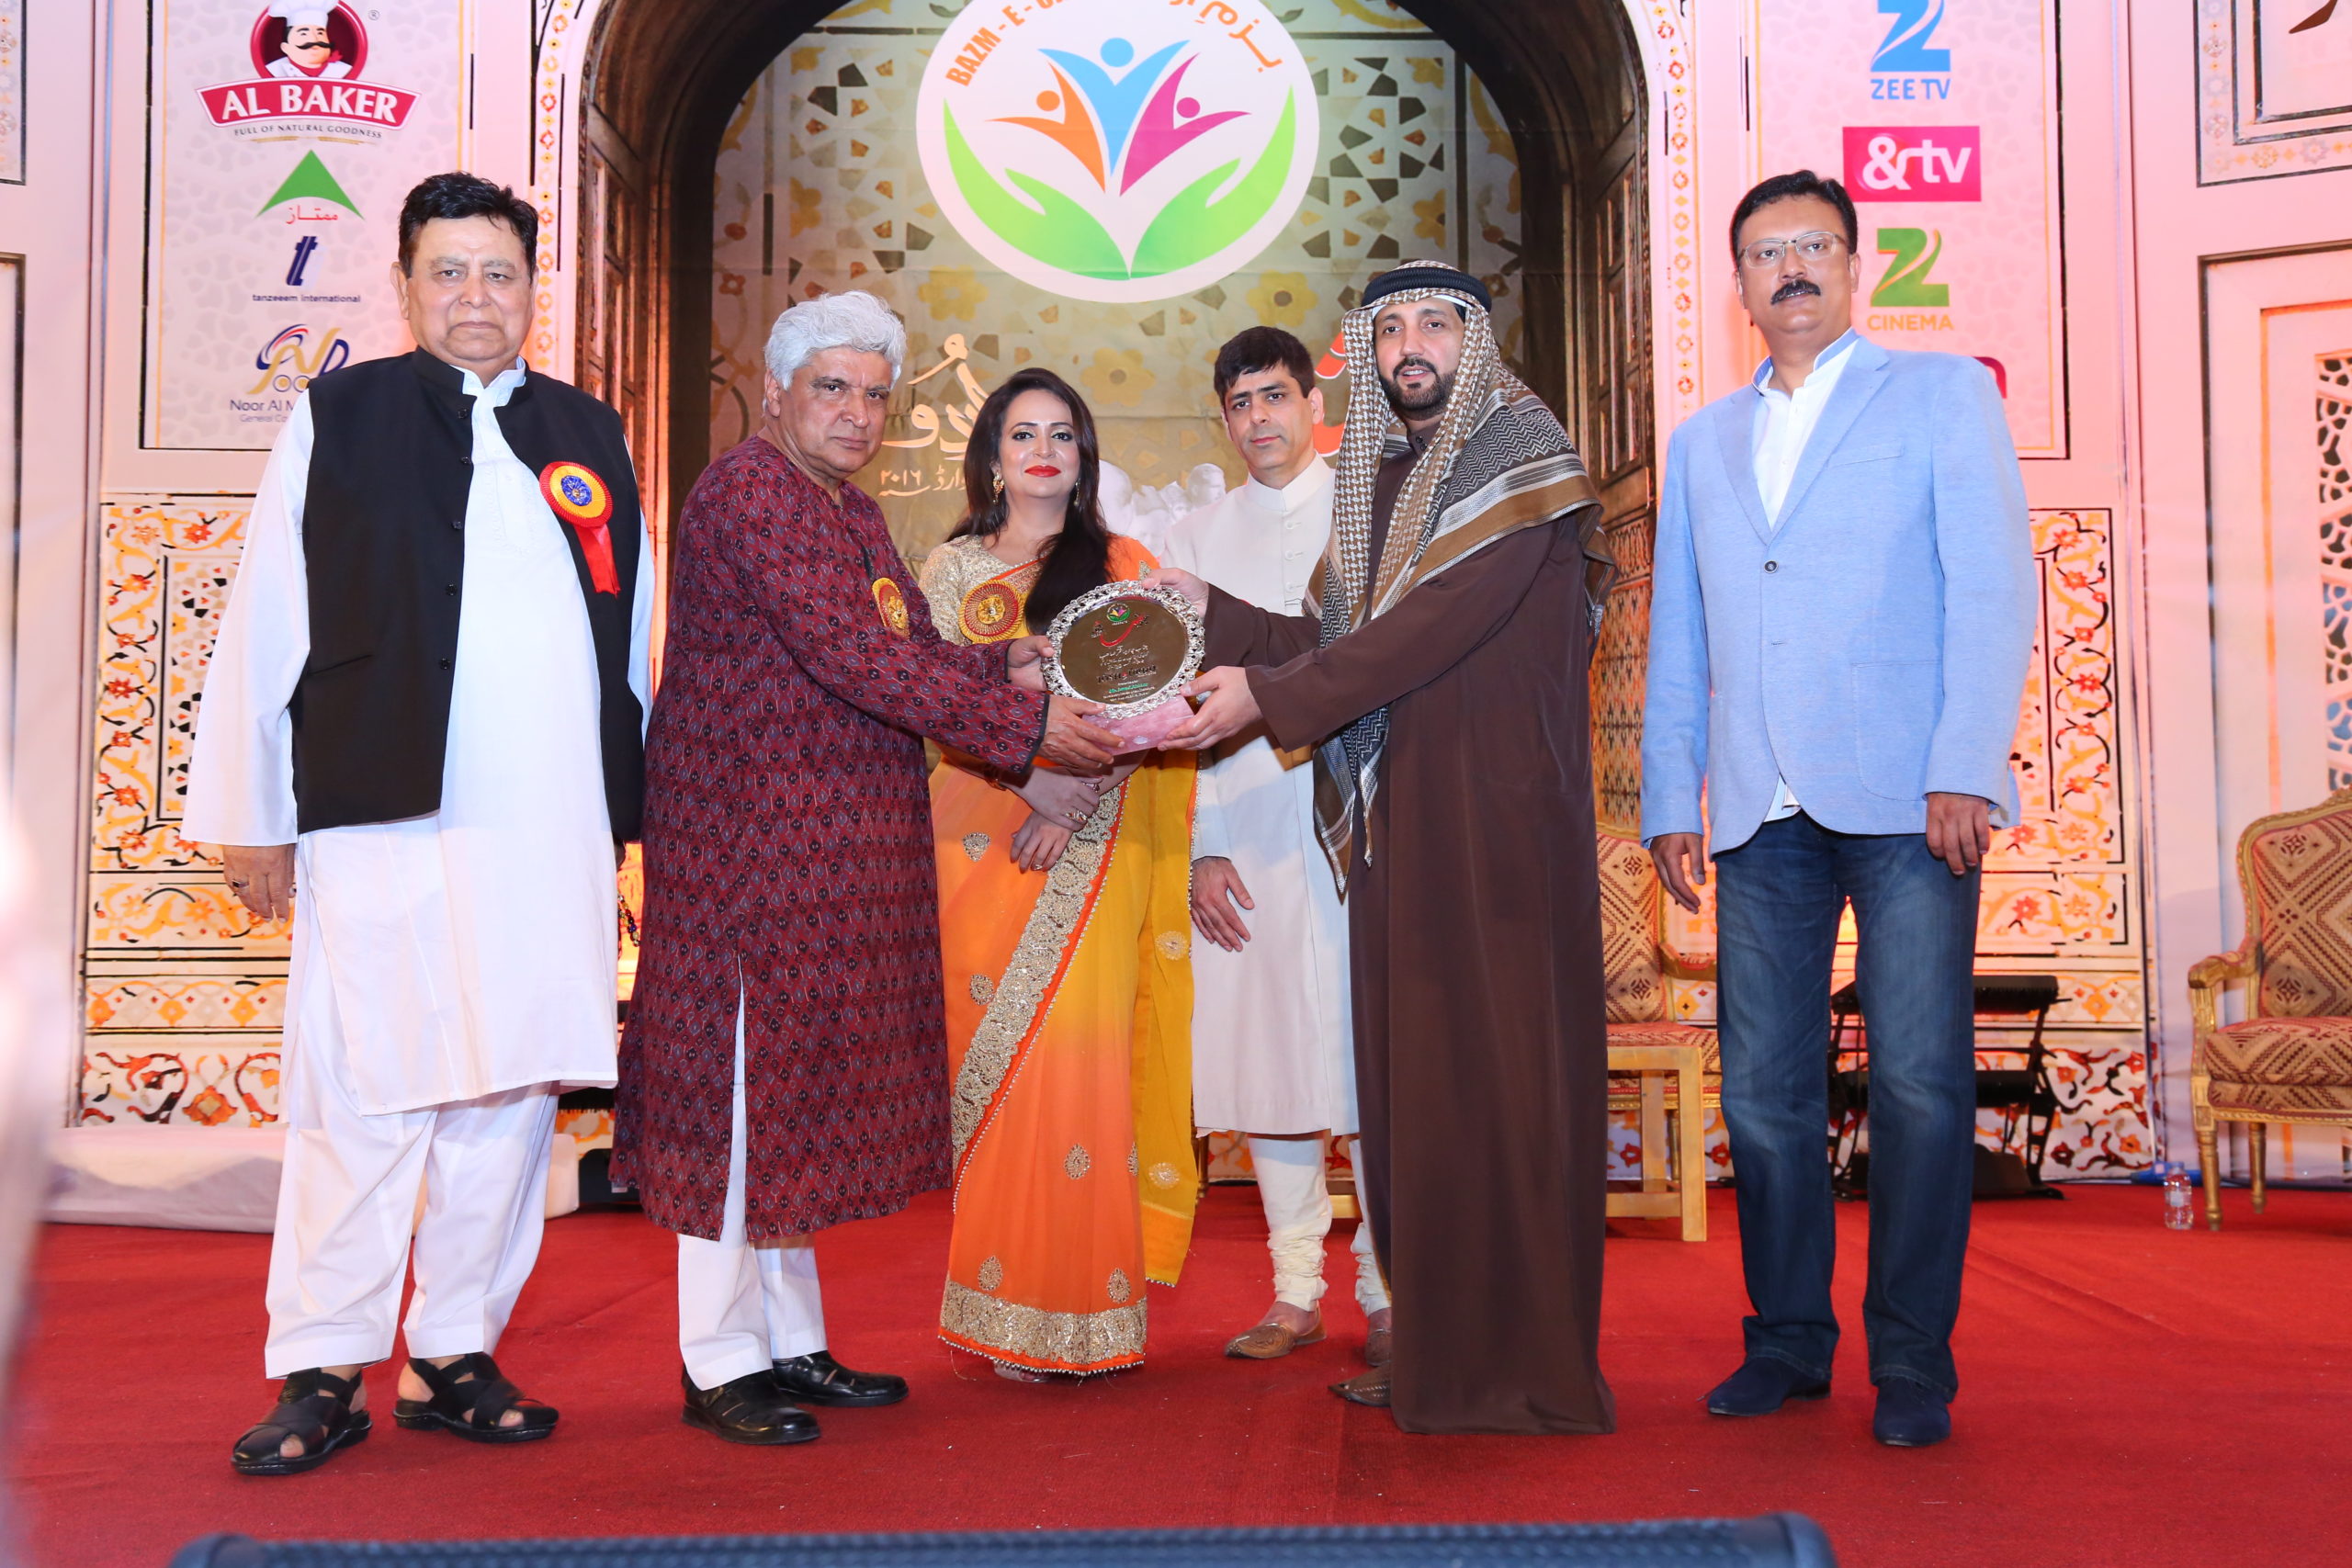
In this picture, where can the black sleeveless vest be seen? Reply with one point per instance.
(384, 542)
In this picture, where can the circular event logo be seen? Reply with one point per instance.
(1109, 151)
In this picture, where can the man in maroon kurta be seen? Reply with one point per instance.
(785, 1064)
(1442, 679)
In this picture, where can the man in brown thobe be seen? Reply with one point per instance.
(1442, 676)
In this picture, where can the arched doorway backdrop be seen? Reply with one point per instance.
(820, 184)
(662, 80)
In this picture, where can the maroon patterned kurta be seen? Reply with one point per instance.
(788, 850)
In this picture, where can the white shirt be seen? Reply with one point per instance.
(1785, 424)
(1272, 1048)
(471, 951)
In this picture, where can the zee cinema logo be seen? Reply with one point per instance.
(307, 61)
(1107, 151)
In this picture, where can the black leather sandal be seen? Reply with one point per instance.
(311, 1406)
(470, 1396)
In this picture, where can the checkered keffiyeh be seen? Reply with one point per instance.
(1499, 462)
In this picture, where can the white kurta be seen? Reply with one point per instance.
(473, 951)
(1273, 1049)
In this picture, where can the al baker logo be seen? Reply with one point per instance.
(306, 60)
(1113, 151)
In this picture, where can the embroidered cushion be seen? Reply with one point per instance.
(2301, 1052)
(2284, 1100)
(1672, 1035)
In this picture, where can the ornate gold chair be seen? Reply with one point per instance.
(2291, 1059)
(1656, 1065)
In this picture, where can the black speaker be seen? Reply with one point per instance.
(1772, 1540)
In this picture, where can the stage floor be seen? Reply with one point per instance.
(2132, 1396)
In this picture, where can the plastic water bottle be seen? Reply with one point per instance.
(2178, 1213)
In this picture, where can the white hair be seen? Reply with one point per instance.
(853, 319)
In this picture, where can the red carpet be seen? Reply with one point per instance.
(2134, 1396)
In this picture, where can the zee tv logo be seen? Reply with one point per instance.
(1914, 162)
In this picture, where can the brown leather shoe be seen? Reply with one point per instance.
(1269, 1341)
(1379, 1344)
(1370, 1388)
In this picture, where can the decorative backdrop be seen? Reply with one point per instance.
(271, 196)
(819, 186)
(1943, 125)
(2332, 411)
(2274, 88)
(12, 92)
(185, 991)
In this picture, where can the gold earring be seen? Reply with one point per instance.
(995, 483)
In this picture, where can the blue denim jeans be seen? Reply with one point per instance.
(1779, 897)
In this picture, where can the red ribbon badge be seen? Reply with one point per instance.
(580, 498)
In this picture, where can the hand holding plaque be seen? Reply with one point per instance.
(1133, 650)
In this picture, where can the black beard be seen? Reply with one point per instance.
(1794, 288)
(1433, 399)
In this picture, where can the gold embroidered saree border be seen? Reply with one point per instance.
(1047, 941)
(1006, 1331)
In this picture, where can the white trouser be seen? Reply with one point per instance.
(347, 1206)
(742, 1306)
(1291, 1185)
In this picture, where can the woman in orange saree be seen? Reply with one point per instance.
(1064, 928)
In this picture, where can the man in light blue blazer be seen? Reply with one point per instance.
(1842, 612)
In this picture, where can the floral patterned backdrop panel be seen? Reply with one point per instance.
(819, 186)
(183, 991)
(12, 92)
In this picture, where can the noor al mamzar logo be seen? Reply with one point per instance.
(1117, 152)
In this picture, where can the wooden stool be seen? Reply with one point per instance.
(1672, 1074)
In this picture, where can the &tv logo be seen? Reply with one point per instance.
(1913, 163)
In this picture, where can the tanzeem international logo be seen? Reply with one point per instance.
(1113, 151)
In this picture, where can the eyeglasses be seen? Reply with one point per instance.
(1812, 250)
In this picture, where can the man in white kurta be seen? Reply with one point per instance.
(451, 969)
(1273, 1054)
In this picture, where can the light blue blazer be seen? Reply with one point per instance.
(1873, 647)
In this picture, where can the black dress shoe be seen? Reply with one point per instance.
(818, 1379)
(1761, 1386)
(753, 1408)
(821, 1381)
(1910, 1415)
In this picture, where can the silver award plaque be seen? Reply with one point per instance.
(1129, 648)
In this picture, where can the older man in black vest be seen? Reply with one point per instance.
(425, 716)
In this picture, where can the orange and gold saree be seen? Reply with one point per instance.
(1069, 1017)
